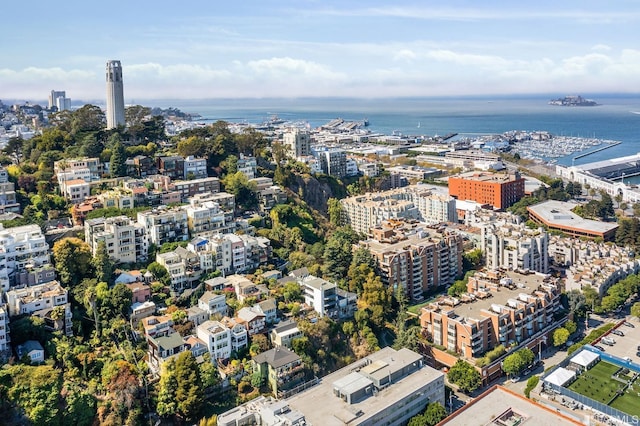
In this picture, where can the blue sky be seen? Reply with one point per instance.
(245, 48)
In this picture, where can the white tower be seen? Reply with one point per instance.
(115, 95)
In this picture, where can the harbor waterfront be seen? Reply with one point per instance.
(612, 120)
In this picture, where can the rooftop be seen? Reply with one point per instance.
(276, 357)
(559, 213)
(314, 402)
(499, 406)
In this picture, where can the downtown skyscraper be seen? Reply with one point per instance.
(115, 95)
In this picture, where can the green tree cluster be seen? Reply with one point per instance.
(433, 414)
(518, 361)
(465, 376)
(180, 388)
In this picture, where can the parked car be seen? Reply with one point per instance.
(515, 379)
(628, 324)
(598, 347)
(617, 332)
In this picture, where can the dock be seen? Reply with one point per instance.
(602, 148)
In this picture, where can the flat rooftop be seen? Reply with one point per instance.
(559, 213)
(499, 406)
(525, 284)
(321, 406)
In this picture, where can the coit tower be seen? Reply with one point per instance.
(115, 95)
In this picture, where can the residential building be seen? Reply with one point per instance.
(157, 325)
(231, 253)
(162, 348)
(164, 225)
(42, 300)
(515, 247)
(125, 240)
(262, 182)
(268, 308)
(252, 320)
(474, 159)
(297, 142)
(75, 190)
(213, 304)
(369, 169)
(8, 201)
(284, 333)
(247, 165)
(217, 337)
(239, 333)
(558, 216)
(321, 295)
(596, 265)
(282, 368)
(415, 258)
(508, 309)
(419, 202)
(333, 161)
(24, 257)
(387, 387)
(207, 217)
(415, 173)
(89, 169)
(347, 303)
(194, 168)
(141, 292)
(172, 166)
(141, 166)
(120, 198)
(4, 332)
(197, 315)
(31, 349)
(189, 188)
(270, 197)
(183, 267)
(501, 406)
(500, 190)
(244, 288)
(141, 310)
(115, 95)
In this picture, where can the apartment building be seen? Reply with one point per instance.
(333, 161)
(206, 217)
(420, 202)
(157, 325)
(515, 247)
(194, 168)
(8, 201)
(297, 142)
(183, 267)
(42, 300)
(217, 338)
(213, 304)
(162, 348)
(239, 333)
(165, 225)
(171, 166)
(284, 333)
(497, 309)
(226, 201)
(5, 338)
(500, 190)
(282, 368)
(189, 188)
(321, 295)
(126, 240)
(253, 320)
(24, 257)
(89, 169)
(230, 253)
(558, 216)
(414, 258)
(120, 198)
(247, 166)
(75, 190)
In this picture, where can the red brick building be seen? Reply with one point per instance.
(500, 190)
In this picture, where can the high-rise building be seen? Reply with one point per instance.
(115, 95)
(59, 100)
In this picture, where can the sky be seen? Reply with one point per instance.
(203, 49)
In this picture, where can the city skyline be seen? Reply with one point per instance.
(321, 49)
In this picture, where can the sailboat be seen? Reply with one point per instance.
(418, 124)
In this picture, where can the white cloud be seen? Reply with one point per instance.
(405, 55)
(601, 48)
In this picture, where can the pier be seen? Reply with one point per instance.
(602, 148)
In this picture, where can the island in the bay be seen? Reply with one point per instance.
(573, 101)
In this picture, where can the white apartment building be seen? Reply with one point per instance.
(89, 169)
(213, 304)
(8, 201)
(163, 225)
(333, 161)
(40, 300)
(321, 295)
(230, 253)
(217, 337)
(76, 190)
(418, 202)
(226, 201)
(247, 166)
(4, 331)
(24, 257)
(515, 247)
(207, 217)
(297, 142)
(125, 240)
(195, 167)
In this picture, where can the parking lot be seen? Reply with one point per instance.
(624, 346)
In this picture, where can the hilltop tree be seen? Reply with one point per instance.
(117, 162)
